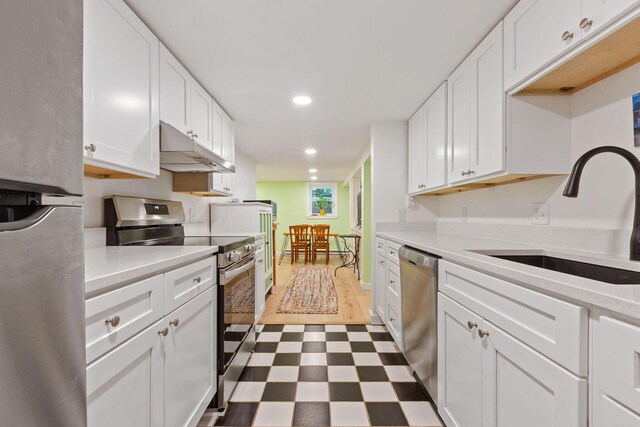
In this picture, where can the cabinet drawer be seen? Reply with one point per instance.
(394, 323)
(116, 316)
(381, 246)
(185, 283)
(392, 252)
(617, 363)
(393, 284)
(555, 328)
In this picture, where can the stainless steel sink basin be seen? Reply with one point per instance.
(601, 273)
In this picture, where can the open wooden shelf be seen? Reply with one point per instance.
(487, 183)
(607, 56)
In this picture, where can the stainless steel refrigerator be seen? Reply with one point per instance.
(42, 332)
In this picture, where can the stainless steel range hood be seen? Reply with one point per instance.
(179, 153)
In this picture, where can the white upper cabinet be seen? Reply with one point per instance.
(476, 112)
(185, 104)
(597, 13)
(224, 182)
(428, 143)
(216, 129)
(417, 164)
(537, 31)
(121, 93)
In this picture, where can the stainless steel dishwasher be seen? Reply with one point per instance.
(419, 288)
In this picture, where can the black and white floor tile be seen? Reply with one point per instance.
(333, 375)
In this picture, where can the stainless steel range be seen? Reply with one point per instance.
(138, 221)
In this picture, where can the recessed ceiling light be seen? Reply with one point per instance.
(301, 100)
(313, 178)
(310, 151)
(313, 170)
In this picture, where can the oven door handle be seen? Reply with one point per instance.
(231, 274)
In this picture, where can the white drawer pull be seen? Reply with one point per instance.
(113, 321)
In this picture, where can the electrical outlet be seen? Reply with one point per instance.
(193, 215)
(411, 202)
(402, 215)
(463, 214)
(541, 213)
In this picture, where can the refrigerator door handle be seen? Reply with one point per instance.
(38, 215)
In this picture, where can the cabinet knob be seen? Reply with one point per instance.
(197, 279)
(464, 173)
(190, 134)
(482, 333)
(113, 321)
(567, 35)
(91, 148)
(175, 322)
(164, 332)
(586, 23)
(469, 172)
(392, 281)
(391, 319)
(195, 134)
(471, 324)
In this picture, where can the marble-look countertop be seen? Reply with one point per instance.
(106, 267)
(623, 299)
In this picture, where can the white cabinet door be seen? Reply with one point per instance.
(381, 286)
(125, 387)
(460, 84)
(459, 365)
(520, 387)
(488, 99)
(228, 152)
(216, 129)
(120, 89)
(175, 92)
(417, 165)
(190, 370)
(201, 115)
(533, 35)
(260, 285)
(435, 120)
(601, 12)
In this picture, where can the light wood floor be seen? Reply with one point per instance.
(353, 303)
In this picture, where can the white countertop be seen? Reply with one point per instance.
(624, 299)
(108, 266)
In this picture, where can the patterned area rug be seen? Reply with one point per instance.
(310, 291)
(241, 298)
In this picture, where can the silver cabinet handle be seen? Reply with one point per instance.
(391, 319)
(197, 279)
(381, 262)
(392, 282)
(469, 172)
(175, 322)
(91, 148)
(164, 332)
(585, 23)
(567, 35)
(482, 333)
(190, 134)
(113, 321)
(260, 261)
(471, 324)
(195, 134)
(465, 173)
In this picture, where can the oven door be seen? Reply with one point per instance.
(237, 288)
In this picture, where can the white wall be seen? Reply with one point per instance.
(601, 115)
(159, 188)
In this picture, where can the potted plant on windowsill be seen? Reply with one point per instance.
(323, 204)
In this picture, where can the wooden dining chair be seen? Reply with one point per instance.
(319, 241)
(300, 241)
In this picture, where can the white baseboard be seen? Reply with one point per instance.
(365, 286)
(375, 319)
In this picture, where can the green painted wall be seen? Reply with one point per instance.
(367, 243)
(291, 197)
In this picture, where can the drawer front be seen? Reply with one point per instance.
(392, 252)
(116, 316)
(617, 365)
(394, 323)
(381, 246)
(185, 283)
(393, 284)
(557, 329)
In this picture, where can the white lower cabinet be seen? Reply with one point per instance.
(125, 388)
(260, 284)
(488, 378)
(381, 285)
(189, 368)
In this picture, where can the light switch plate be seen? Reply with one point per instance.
(541, 213)
(193, 215)
(402, 215)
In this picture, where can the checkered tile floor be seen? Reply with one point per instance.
(333, 375)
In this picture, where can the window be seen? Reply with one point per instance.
(322, 200)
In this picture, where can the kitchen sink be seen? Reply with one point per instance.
(616, 276)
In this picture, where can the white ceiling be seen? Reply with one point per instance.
(360, 61)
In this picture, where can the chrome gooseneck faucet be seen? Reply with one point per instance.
(573, 186)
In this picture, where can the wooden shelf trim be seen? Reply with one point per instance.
(487, 183)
